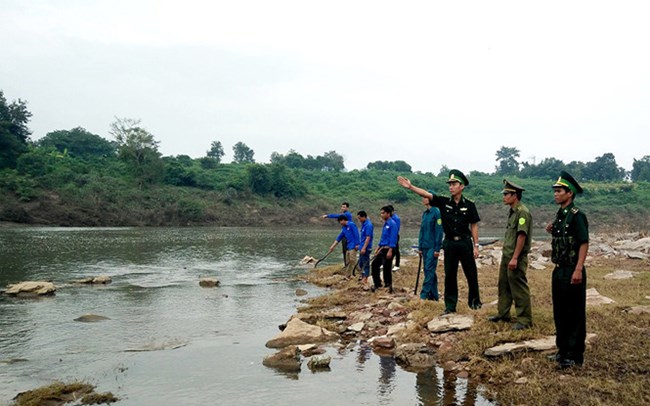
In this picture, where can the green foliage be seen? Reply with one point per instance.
(641, 170)
(507, 159)
(14, 133)
(396, 166)
(138, 149)
(78, 142)
(329, 161)
(259, 178)
(603, 169)
(242, 154)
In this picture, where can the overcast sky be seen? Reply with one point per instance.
(430, 83)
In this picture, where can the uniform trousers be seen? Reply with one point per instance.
(569, 313)
(430, 284)
(387, 264)
(460, 251)
(513, 287)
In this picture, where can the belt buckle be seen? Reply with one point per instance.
(456, 238)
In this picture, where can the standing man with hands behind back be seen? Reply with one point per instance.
(460, 223)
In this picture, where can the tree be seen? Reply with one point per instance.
(242, 154)
(216, 151)
(507, 159)
(641, 170)
(397, 166)
(331, 161)
(138, 149)
(603, 168)
(78, 143)
(444, 170)
(259, 179)
(14, 133)
(548, 168)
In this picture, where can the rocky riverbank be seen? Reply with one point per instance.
(511, 366)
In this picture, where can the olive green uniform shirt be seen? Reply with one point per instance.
(519, 221)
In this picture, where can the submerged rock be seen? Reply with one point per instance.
(91, 318)
(287, 359)
(415, 356)
(209, 282)
(31, 288)
(319, 362)
(97, 280)
(301, 292)
(299, 332)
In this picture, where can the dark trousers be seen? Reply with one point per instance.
(569, 313)
(463, 252)
(381, 261)
(364, 264)
(344, 246)
(396, 254)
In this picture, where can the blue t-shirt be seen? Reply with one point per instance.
(351, 233)
(367, 230)
(398, 221)
(389, 234)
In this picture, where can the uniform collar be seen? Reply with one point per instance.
(564, 211)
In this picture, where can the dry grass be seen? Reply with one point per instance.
(617, 362)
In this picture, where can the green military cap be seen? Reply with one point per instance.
(509, 187)
(457, 176)
(567, 181)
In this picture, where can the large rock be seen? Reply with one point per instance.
(415, 356)
(319, 362)
(382, 342)
(450, 322)
(31, 288)
(287, 359)
(299, 332)
(596, 299)
(540, 344)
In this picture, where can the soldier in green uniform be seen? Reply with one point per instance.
(460, 224)
(570, 243)
(513, 285)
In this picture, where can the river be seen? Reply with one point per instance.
(155, 301)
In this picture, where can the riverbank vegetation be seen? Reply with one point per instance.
(77, 178)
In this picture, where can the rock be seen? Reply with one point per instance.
(463, 374)
(538, 266)
(319, 362)
(31, 288)
(635, 255)
(301, 292)
(357, 327)
(299, 332)
(617, 275)
(392, 330)
(308, 350)
(314, 317)
(521, 381)
(450, 322)
(382, 342)
(395, 306)
(287, 359)
(209, 282)
(91, 318)
(596, 299)
(415, 356)
(638, 310)
(97, 280)
(540, 344)
(308, 260)
(449, 366)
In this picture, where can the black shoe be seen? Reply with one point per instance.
(495, 319)
(373, 288)
(554, 357)
(519, 326)
(446, 312)
(568, 363)
(476, 306)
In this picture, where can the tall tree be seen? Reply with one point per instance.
(14, 133)
(216, 151)
(332, 161)
(78, 142)
(507, 161)
(641, 170)
(138, 149)
(242, 154)
(603, 168)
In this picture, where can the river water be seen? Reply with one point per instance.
(155, 302)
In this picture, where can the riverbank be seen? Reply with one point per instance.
(617, 359)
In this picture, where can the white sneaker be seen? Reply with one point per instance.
(395, 268)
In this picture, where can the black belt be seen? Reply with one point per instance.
(460, 237)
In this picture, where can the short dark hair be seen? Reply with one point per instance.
(520, 194)
(392, 209)
(387, 209)
(341, 217)
(346, 204)
(362, 213)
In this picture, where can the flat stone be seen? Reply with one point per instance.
(639, 310)
(392, 330)
(91, 318)
(596, 299)
(636, 255)
(357, 327)
(617, 275)
(539, 344)
(382, 342)
(299, 332)
(29, 288)
(365, 316)
(301, 292)
(209, 283)
(538, 266)
(450, 322)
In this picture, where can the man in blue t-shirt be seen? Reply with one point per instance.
(365, 242)
(345, 210)
(350, 235)
(384, 251)
(398, 221)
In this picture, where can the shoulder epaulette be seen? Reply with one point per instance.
(575, 210)
(469, 200)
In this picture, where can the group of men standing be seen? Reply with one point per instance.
(458, 217)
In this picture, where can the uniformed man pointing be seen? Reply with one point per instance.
(513, 285)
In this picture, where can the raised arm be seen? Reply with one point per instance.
(405, 183)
